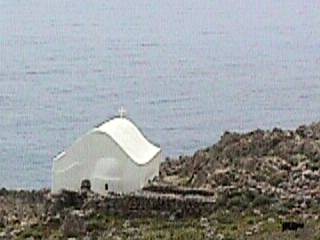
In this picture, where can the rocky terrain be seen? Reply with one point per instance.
(85, 215)
(283, 166)
(257, 185)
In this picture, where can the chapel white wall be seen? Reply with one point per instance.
(98, 158)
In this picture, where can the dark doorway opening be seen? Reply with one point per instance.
(85, 184)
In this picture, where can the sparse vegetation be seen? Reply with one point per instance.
(246, 186)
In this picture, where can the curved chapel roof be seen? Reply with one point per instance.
(130, 139)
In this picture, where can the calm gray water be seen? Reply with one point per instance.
(185, 70)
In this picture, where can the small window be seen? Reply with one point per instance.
(106, 187)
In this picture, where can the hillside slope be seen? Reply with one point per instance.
(282, 164)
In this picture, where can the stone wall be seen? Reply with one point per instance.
(142, 206)
(132, 205)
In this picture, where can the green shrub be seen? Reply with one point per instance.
(261, 200)
(35, 233)
(275, 180)
(239, 201)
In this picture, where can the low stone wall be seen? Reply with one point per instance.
(142, 206)
(136, 205)
(182, 191)
(133, 205)
(25, 196)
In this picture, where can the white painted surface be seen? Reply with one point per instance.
(121, 158)
(128, 136)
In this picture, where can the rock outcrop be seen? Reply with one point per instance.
(282, 164)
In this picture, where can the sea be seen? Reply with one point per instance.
(185, 71)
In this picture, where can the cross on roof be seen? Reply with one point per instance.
(122, 112)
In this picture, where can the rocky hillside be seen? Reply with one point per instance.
(257, 185)
(85, 215)
(281, 164)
